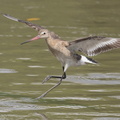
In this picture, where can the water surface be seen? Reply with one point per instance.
(90, 92)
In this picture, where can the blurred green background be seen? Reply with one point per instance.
(90, 92)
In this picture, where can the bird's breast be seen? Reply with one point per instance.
(59, 50)
(58, 46)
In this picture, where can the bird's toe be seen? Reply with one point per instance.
(46, 79)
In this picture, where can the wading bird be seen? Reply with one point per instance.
(66, 51)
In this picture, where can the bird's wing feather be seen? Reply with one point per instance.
(34, 26)
(94, 45)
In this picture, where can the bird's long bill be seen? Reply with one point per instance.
(35, 38)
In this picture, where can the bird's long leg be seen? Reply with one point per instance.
(44, 94)
(51, 76)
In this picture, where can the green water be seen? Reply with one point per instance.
(90, 92)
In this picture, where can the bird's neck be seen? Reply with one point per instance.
(52, 35)
(52, 39)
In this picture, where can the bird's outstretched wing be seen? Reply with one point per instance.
(34, 26)
(94, 45)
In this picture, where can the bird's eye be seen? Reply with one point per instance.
(43, 33)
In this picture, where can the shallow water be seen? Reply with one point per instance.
(90, 92)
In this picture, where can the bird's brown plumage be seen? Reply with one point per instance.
(94, 45)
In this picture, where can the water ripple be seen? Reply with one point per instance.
(10, 105)
(3, 70)
(96, 79)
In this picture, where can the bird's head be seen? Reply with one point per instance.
(43, 33)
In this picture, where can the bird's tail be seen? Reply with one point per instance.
(85, 60)
(91, 60)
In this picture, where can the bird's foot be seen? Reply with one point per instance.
(46, 79)
(40, 97)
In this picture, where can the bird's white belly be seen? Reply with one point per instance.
(67, 60)
(62, 58)
(70, 61)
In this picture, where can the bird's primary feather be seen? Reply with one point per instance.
(34, 26)
(94, 45)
